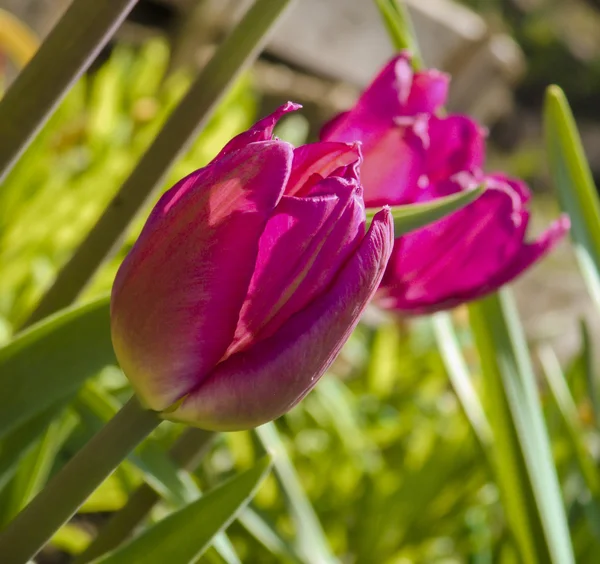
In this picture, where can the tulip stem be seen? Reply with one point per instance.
(187, 452)
(75, 482)
(400, 28)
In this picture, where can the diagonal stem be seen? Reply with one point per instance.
(67, 52)
(75, 482)
(187, 452)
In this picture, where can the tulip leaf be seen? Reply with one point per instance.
(525, 469)
(559, 389)
(399, 27)
(575, 185)
(184, 535)
(460, 378)
(51, 360)
(35, 467)
(15, 444)
(413, 216)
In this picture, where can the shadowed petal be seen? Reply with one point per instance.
(261, 384)
(177, 296)
(457, 143)
(316, 161)
(458, 253)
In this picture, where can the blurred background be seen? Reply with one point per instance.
(392, 467)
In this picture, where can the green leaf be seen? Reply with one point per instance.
(559, 389)
(183, 536)
(51, 360)
(399, 27)
(575, 185)
(19, 441)
(34, 469)
(410, 217)
(525, 469)
(310, 539)
(460, 378)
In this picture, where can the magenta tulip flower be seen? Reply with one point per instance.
(412, 154)
(247, 279)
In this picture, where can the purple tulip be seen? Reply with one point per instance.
(247, 279)
(413, 153)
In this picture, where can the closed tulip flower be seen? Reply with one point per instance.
(415, 154)
(247, 279)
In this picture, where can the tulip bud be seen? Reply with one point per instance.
(246, 280)
(412, 155)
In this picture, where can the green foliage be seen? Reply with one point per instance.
(183, 536)
(393, 458)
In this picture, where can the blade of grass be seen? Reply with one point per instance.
(34, 468)
(559, 389)
(526, 471)
(400, 28)
(234, 55)
(575, 185)
(69, 49)
(184, 535)
(460, 379)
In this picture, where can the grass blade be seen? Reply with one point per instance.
(575, 185)
(181, 537)
(80, 34)
(526, 471)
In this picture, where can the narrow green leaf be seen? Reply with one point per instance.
(35, 467)
(410, 217)
(311, 541)
(75, 41)
(268, 536)
(575, 185)
(183, 536)
(568, 410)
(20, 440)
(399, 27)
(51, 360)
(460, 378)
(525, 468)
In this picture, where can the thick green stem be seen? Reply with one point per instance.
(70, 48)
(187, 453)
(68, 489)
(238, 50)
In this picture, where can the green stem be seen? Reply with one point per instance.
(399, 25)
(69, 49)
(187, 453)
(75, 482)
(238, 50)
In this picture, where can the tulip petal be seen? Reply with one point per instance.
(261, 131)
(457, 144)
(303, 246)
(261, 384)
(316, 161)
(457, 254)
(177, 296)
